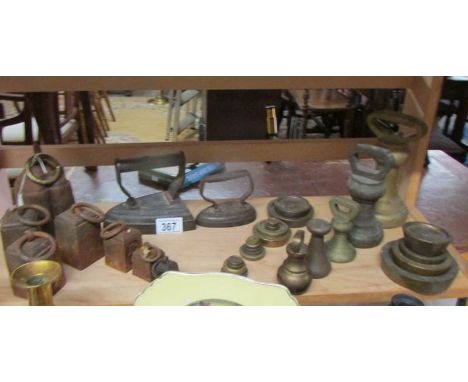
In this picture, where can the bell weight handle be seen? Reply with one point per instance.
(383, 157)
(88, 212)
(150, 162)
(343, 208)
(45, 253)
(112, 229)
(417, 126)
(34, 223)
(43, 160)
(223, 177)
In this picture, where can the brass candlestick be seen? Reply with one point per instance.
(159, 99)
(387, 126)
(37, 278)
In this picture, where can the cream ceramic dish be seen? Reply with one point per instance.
(210, 289)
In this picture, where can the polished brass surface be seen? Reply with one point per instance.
(37, 277)
(143, 259)
(294, 273)
(229, 212)
(43, 182)
(366, 186)
(271, 121)
(235, 265)
(77, 231)
(317, 260)
(141, 213)
(252, 249)
(422, 259)
(19, 219)
(419, 283)
(272, 232)
(120, 242)
(389, 126)
(425, 238)
(344, 211)
(417, 267)
(295, 211)
(159, 99)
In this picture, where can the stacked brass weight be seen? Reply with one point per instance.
(317, 260)
(36, 279)
(43, 182)
(32, 246)
(78, 234)
(120, 242)
(230, 212)
(235, 265)
(252, 249)
(338, 248)
(295, 211)
(388, 127)
(294, 273)
(366, 186)
(272, 232)
(420, 261)
(143, 259)
(18, 220)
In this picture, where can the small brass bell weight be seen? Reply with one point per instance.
(293, 273)
(366, 186)
(390, 209)
(37, 278)
(339, 249)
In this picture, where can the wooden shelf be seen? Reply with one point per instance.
(204, 250)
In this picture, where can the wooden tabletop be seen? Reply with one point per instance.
(204, 250)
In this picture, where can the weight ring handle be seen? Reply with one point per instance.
(46, 160)
(381, 155)
(33, 223)
(339, 201)
(44, 254)
(88, 212)
(149, 253)
(384, 133)
(225, 176)
(112, 229)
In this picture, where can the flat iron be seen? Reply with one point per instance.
(141, 213)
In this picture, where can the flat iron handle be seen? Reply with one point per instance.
(225, 176)
(149, 162)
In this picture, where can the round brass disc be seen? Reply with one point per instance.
(421, 259)
(426, 239)
(272, 232)
(295, 211)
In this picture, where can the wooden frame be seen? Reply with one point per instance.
(421, 100)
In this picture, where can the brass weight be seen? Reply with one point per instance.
(390, 210)
(294, 273)
(272, 232)
(317, 259)
(252, 249)
(235, 265)
(295, 211)
(338, 248)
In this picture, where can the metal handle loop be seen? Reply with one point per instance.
(33, 223)
(44, 254)
(43, 160)
(88, 212)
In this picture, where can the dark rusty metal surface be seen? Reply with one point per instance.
(18, 220)
(230, 212)
(141, 213)
(120, 242)
(77, 231)
(143, 259)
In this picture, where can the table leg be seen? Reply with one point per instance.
(88, 116)
(459, 127)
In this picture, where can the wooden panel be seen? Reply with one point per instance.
(204, 250)
(23, 84)
(228, 151)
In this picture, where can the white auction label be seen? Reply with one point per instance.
(169, 225)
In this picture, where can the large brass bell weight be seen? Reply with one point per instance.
(394, 131)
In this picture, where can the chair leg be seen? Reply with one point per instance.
(109, 106)
(170, 107)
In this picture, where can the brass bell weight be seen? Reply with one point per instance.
(37, 278)
(394, 131)
(366, 186)
(339, 249)
(294, 273)
(295, 211)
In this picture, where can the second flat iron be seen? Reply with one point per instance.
(142, 212)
